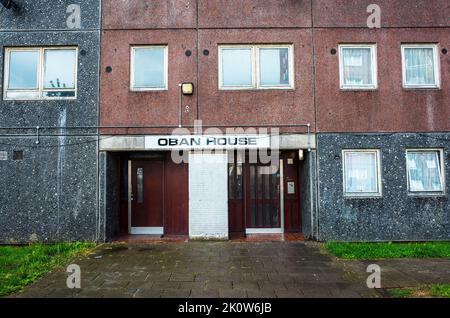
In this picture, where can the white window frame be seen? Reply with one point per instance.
(38, 93)
(437, 67)
(442, 170)
(256, 82)
(379, 192)
(133, 88)
(374, 54)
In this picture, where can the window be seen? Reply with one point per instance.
(40, 73)
(362, 173)
(149, 68)
(420, 66)
(358, 67)
(256, 67)
(425, 170)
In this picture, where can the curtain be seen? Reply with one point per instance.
(361, 173)
(419, 63)
(357, 64)
(424, 171)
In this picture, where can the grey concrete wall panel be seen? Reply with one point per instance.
(397, 215)
(52, 15)
(80, 112)
(50, 195)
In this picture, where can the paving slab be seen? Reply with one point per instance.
(207, 269)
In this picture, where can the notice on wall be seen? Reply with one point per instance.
(3, 155)
(291, 187)
(212, 142)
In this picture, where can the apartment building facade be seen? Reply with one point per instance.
(218, 119)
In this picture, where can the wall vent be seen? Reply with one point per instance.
(18, 155)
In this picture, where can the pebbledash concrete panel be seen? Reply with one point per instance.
(49, 194)
(397, 215)
(48, 190)
(51, 15)
(308, 194)
(121, 106)
(257, 106)
(394, 14)
(254, 14)
(149, 14)
(389, 108)
(46, 113)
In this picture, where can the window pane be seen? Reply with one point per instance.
(23, 68)
(149, 67)
(424, 171)
(231, 181)
(419, 63)
(357, 64)
(59, 69)
(239, 181)
(274, 67)
(361, 173)
(140, 185)
(237, 67)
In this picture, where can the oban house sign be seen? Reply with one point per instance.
(208, 142)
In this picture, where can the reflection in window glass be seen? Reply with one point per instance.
(239, 181)
(361, 172)
(231, 181)
(274, 67)
(60, 69)
(149, 67)
(357, 66)
(140, 185)
(237, 67)
(23, 69)
(424, 171)
(268, 212)
(419, 66)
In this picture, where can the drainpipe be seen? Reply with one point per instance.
(180, 106)
(309, 136)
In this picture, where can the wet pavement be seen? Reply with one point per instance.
(206, 269)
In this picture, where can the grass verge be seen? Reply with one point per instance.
(428, 291)
(365, 251)
(23, 265)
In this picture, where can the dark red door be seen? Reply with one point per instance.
(176, 219)
(292, 220)
(147, 205)
(236, 218)
(254, 197)
(262, 196)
